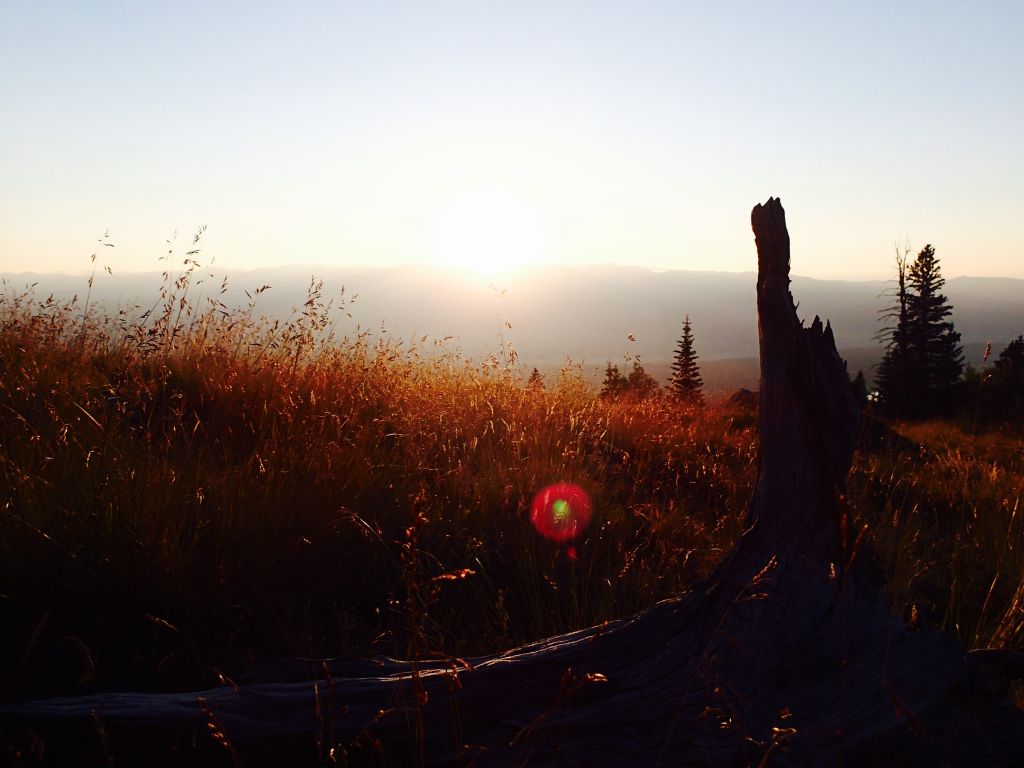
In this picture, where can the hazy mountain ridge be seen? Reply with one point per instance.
(583, 313)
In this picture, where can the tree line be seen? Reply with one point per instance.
(685, 383)
(922, 372)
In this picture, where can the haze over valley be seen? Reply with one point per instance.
(591, 315)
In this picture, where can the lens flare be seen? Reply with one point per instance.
(561, 512)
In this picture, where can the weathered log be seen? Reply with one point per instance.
(787, 655)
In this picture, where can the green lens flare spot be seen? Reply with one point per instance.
(561, 510)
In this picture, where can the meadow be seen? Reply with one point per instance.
(190, 489)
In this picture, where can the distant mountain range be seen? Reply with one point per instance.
(591, 314)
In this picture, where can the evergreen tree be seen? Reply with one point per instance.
(613, 384)
(686, 383)
(894, 380)
(920, 371)
(640, 384)
(1000, 389)
(1009, 377)
(536, 381)
(937, 356)
(1011, 359)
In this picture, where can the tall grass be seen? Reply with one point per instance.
(189, 488)
(187, 491)
(945, 514)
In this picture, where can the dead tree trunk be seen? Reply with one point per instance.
(787, 655)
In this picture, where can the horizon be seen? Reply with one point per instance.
(549, 313)
(459, 134)
(222, 269)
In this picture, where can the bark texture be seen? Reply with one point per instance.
(786, 656)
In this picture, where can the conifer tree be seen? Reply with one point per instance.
(1009, 378)
(1011, 359)
(937, 356)
(920, 371)
(686, 383)
(894, 378)
(536, 381)
(639, 383)
(613, 384)
(999, 390)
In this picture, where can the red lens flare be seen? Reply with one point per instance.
(561, 512)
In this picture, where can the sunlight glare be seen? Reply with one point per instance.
(490, 230)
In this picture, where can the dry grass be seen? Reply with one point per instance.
(945, 514)
(189, 489)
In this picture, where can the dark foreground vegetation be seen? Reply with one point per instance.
(189, 493)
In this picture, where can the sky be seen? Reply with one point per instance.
(484, 133)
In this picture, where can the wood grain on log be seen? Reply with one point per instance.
(787, 655)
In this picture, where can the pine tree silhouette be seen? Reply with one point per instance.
(639, 383)
(613, 384)
(937, 352)
(998, 391)
(894, 378)
(920, 372)
(686, 383)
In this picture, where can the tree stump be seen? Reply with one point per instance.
(787, 655)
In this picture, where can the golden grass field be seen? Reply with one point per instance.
(190, 490)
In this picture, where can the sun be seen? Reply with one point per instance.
(490, 230)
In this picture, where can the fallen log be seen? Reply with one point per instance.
(786, 655)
